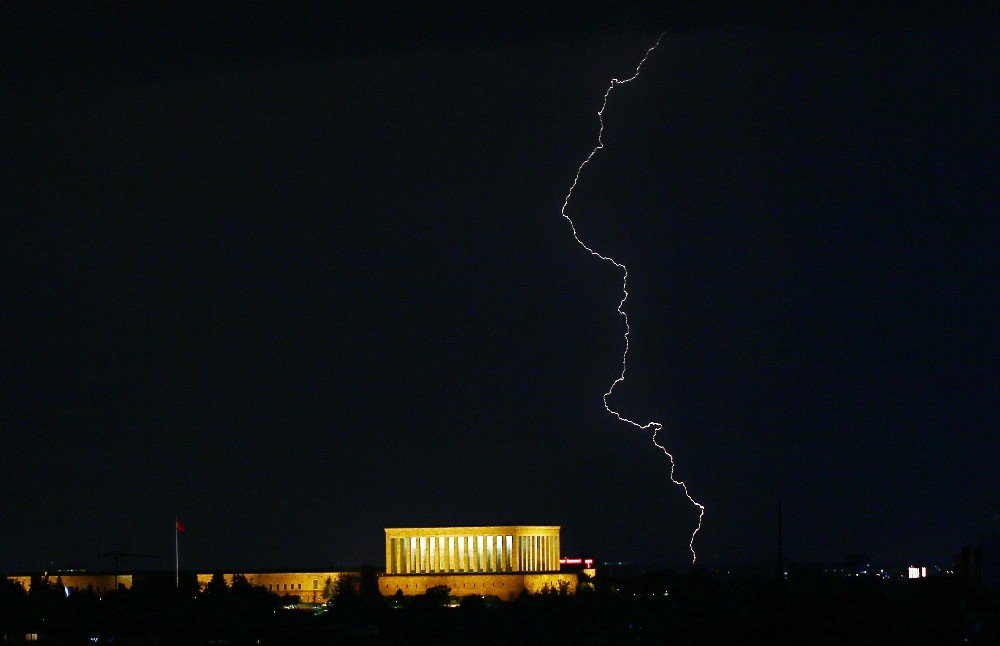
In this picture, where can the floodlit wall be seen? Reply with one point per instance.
(99, 583)
(308, 586)
(505, 586)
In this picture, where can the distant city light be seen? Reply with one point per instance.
(917, 572)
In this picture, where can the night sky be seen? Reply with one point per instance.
(299, 275)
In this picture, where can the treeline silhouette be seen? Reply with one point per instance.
(665, 607)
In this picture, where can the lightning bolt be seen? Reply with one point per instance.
(655, 427)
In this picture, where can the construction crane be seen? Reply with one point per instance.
(124, 553)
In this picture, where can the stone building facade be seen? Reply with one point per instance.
(501, 560)
(310, 587)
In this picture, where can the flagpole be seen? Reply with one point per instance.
(177, 557)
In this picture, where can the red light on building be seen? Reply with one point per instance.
(587, 563)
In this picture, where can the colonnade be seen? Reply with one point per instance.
(453, 550)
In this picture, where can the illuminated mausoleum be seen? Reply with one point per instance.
(500, 561)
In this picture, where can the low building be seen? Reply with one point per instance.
(98, 582)
(501, 561)
(309, 587)
(585, 566)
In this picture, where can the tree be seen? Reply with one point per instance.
(46, 595)
(346, 586)
(472, 602)
(368, 585)
(436, 596)
(240, 585)
(217, 586)
(13, 603)
(329, 589)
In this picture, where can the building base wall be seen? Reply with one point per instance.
(505, 586)
(100, 584)
(310, 587)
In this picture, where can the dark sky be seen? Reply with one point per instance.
(299, 275)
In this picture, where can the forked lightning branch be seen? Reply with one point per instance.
(655, 427)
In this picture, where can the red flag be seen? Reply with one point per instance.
(179, 526)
